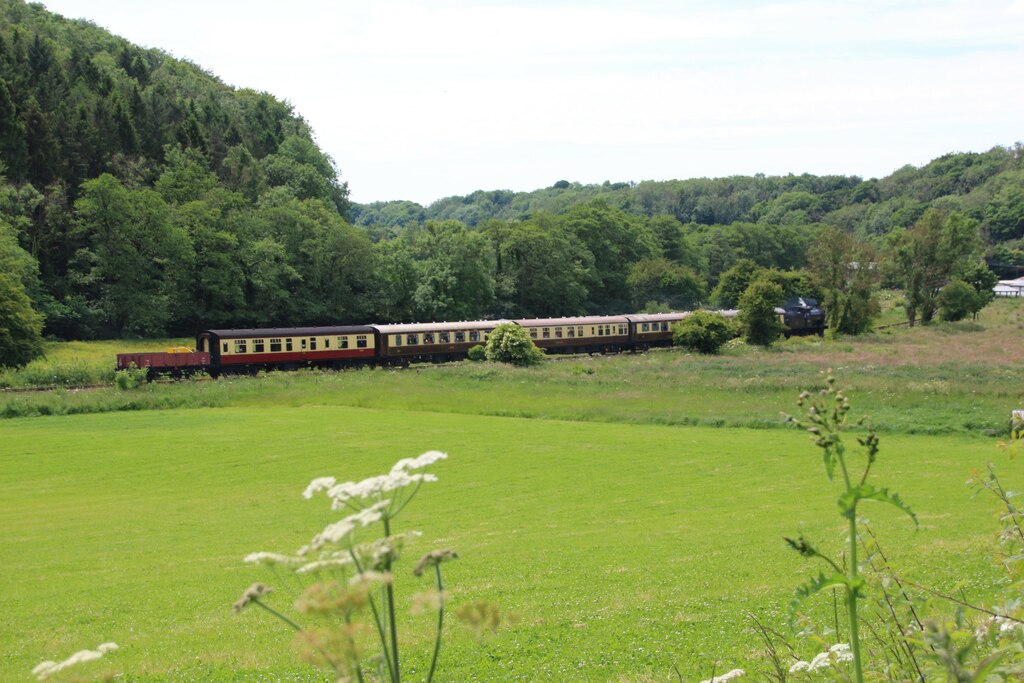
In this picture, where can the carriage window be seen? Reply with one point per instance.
(303, 340)
(558, 332)
(275, 345)
(288, 344)
(239, 346)
(547, 332)
(533, 333)
(460, 337)
(428, 338)
(664, 327)
(600, 330)
(397, 339)
(579, 331)
(474, 335)
(412, 339)
(225, 345)
(645, 327)
(257, 345)
(444, 337)
(312, 343)
(572, 332)
(342, 342)
(327, 342)
(360, 341)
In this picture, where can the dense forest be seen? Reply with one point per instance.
(140, 195)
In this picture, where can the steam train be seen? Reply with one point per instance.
(240, 351)
(220, 352)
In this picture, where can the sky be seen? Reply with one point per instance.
(424, 100)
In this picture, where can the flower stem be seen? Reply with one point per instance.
(390, 593)
(851, 601)
(440, 623)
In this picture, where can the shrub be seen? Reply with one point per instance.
(477, 353)
(957, 300)
(509, 343)
(703, 331)
(132, 378)
(761, 324)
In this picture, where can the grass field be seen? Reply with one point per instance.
(621, 548)
(598, 501)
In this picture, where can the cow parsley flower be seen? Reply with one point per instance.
(338, 531)
(840, 652)
(272, 559)
(724, 678)
(317, 485)
(419, 462)
(44, 670)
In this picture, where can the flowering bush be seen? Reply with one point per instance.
(350, 605)
(509, 343)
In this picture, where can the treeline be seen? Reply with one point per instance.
(988, 187)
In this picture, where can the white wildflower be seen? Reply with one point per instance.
(369, 577)
(840, 652)
(424, 460)
(338, 531)
(374, 487)
(44, 670)
(324, 565)
(272, 559)
(318, 484)
(724, 678)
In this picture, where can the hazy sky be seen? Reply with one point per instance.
(422, 100)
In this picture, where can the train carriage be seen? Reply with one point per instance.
(432, 342)
(653, 329)
(586, 334)
(247, 350)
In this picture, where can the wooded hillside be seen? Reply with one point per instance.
(143, 196)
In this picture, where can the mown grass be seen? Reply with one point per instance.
(621, 549)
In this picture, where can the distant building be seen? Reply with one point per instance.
(1014, 288)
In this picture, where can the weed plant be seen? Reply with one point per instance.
(354, 595)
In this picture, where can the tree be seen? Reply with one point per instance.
(509, 343)
(957, 300)
(540, 270)
(845, 271)
(658, 279)
(132, 264)
(703, 331)
(21, 328)
(761, 324)
(923, 259)
(616, 240)
(455, 273)
(734, 282)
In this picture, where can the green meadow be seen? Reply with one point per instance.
(625, 513)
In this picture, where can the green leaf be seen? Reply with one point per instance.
(848, 501)
(820, 583)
